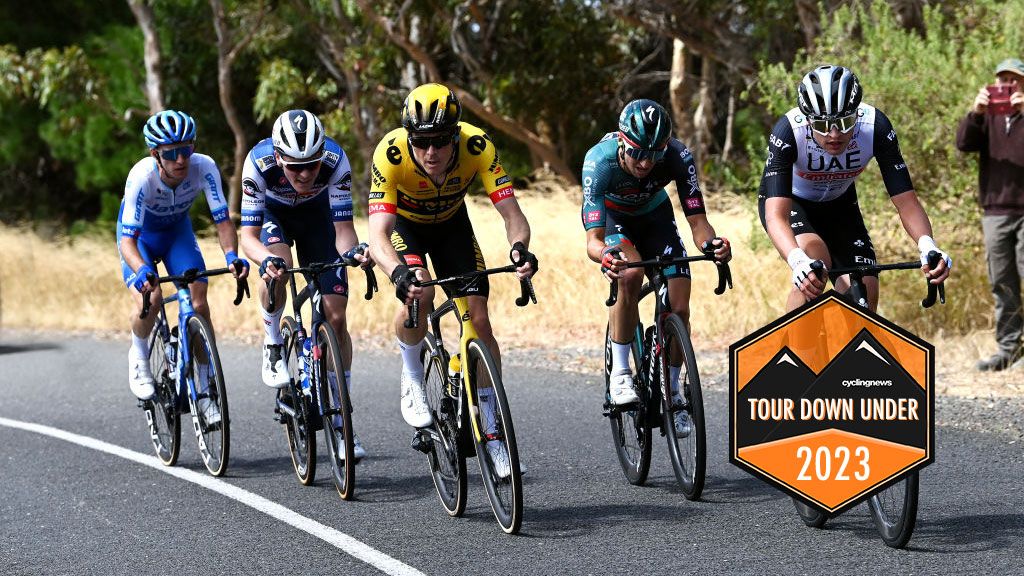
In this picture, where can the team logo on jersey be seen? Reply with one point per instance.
(249, 187)
(266, 162)
(423, 184)
(331, 158)
(858, 243)
(476, 145)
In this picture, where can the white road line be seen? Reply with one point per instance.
(340, 540)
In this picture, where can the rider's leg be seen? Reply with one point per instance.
(624, 315)
(272, 319)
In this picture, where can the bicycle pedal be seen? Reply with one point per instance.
(422, 442)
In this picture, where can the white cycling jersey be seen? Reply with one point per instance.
(151, 205)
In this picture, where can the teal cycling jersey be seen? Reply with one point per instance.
(607, 186)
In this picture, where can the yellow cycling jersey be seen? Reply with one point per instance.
(400, 186)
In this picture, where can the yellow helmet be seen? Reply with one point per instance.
(431, 108)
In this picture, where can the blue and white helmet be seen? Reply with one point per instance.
(169, 127)
(299, 134)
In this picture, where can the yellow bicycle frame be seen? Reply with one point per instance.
(455, 363)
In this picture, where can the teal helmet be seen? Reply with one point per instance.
(644, 129)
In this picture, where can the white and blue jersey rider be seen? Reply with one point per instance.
(297, 189)
(628, 216)
(153, 223)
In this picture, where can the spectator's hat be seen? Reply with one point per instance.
(1011, 65)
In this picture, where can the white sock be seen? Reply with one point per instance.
(272, 326)
(140, 345)
(487, 410)
(673, 377)
(620, 358)
(412, 363)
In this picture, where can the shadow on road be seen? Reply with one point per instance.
(28, 347)
(572, 521)
(718, 489)
(961, 534)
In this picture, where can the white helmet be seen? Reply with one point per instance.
(299, 134)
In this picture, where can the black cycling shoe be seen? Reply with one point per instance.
(998, 361)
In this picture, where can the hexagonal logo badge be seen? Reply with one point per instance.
(831, 403)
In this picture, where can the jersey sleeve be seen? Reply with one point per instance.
(595, 178)
(340, 187)
(133, 214)
(254, 191)
(777, 179)
(214, 189)
(890, 159)
(387, 159)
(496, 182)
(685, 175)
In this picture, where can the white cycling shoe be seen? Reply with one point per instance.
(414, 403)
(140, 377)
(275, 371)
(208, 408)
(358, 452)
(500, 462)
(620, 388)
(682, 422)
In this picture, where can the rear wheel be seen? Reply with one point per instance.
(213, 431)
(894, 511)
(689, 452)
(162, 409)
(503, 481)
(295, 409)
(631, 432)
(811, 516)
(447, 462)
(337, 409)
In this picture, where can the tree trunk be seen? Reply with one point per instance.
(681, 92)
(151, 53)
(807, 12)
(226, 55)
(703, 118)
(729, 121)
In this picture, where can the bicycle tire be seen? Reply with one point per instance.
(214, 439)
(162, 409)
(689, 460)
(447, 461)
(631, 431)
(810, 516)
(298, 428)
(340, 431)
(894, 511)
(504, 494)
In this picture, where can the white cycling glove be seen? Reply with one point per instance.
(926, 244)
(800, 262)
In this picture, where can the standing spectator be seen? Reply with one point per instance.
(998, 137)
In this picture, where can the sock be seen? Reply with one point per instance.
(412, 363)
(140, 345)
(620, 358)
(272, 326)
(487, 410)
(348, 380)
(673, 377)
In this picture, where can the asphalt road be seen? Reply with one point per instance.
(69, 508)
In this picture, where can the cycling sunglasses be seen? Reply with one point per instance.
(297, 167)
(437, 141)
(640, 154)
(824, 125)
(172, 154)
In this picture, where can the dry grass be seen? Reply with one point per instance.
(76, 285)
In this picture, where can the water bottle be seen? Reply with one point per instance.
(454, 374)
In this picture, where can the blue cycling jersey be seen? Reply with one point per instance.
(151, 205)
(264, 183)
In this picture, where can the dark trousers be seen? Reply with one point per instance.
(1004, 245)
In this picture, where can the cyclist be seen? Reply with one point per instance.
(153, 223)
(296, 189)
(627, 215)
(808, 197)
(420, 176)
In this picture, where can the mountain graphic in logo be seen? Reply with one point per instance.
(784, 376)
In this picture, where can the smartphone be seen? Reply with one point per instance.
(999, 99)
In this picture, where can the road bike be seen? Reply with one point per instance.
(317, 396)
(186, 370)
(664, 344)
(894, 509)
(459, 431)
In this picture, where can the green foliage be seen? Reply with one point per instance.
(924, 85)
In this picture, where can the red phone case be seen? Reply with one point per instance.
(999, 99)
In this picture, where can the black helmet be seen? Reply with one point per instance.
(829, 92)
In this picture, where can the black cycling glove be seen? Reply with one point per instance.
(403, 279)
(524, 256)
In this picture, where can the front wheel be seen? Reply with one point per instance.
(337, 412)
(811, 516)
(683, 408)
(447, 461)
(496, 448)
(212, 424)
(894, 511)
(295, 410)
(162, 409)
(631, 430)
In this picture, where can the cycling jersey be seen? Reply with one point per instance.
(798, 166)
(264, 183)
(400, 186)
(151, 205)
